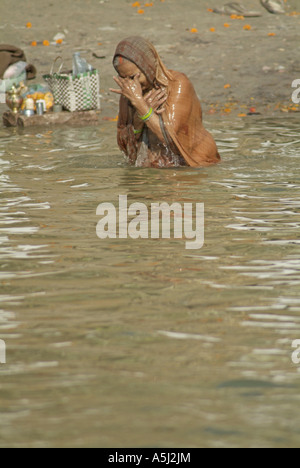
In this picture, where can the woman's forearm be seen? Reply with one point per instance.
(130, 88)
(152, 123)
(138, 125)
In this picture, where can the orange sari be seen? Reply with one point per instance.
(186, 141)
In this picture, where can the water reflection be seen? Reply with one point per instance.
(140, 342)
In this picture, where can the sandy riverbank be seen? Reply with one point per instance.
(235, 64)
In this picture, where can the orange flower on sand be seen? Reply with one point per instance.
(194, 30)
(136, 4)
(28, 25)
(271, 34)
(226, 25)
(247, 27)
(111, 119)
(212, 29)
(238, 17)
(46, 43)
(34, 43)
(227, 86)
(141, 11)
(59, 41)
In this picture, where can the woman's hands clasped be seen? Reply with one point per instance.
(155, 99)
(132, 90)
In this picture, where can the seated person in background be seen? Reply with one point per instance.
(160, 116)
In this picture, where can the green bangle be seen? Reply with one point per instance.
(136, 132)
(147, 116)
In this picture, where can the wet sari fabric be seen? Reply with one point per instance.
(186, 141)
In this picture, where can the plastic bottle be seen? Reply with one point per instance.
(80, 65)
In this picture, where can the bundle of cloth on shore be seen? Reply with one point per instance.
(11, 55)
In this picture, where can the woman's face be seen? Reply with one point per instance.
(128, 69)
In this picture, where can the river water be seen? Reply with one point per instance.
(141, 342)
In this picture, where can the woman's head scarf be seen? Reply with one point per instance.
(143, 54)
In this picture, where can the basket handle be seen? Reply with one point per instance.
(61, 65)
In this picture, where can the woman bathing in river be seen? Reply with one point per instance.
(160, 116)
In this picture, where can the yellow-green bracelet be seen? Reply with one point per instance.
(147, 116)
(136, 132)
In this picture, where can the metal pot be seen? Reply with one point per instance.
(13, 99)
